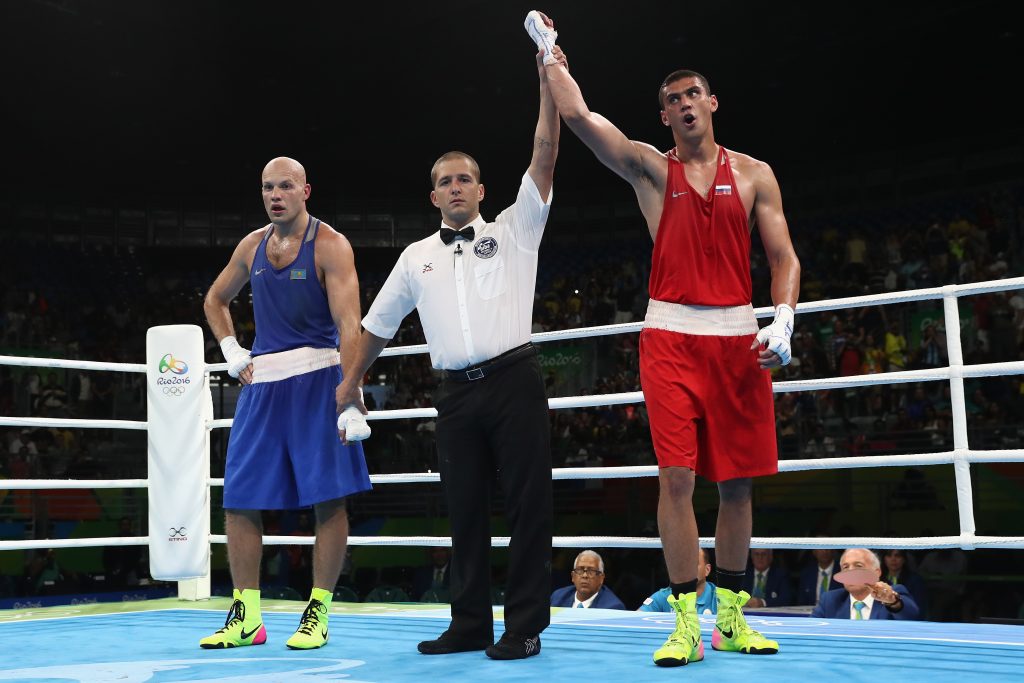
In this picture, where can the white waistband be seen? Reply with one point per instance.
(720, 321)
(274, 367)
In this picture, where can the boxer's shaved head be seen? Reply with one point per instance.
(285, 166)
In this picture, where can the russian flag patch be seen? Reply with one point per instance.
(723, 189)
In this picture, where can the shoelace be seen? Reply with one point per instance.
(236, 613)
(736, 624)
(310, 619)
(682, 634)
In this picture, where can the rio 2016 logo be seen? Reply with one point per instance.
(169, 362)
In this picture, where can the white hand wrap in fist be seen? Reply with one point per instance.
(354, 423)
(775, 337)
(238, 358)
(542, 34)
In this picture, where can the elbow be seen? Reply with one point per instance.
(211, 304)
(574, 117)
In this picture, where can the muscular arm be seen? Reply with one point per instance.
(545, 139)
(771, 223)
(227, 286)
(335, 257)
(630, 160)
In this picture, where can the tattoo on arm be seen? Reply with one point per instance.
(543, 142)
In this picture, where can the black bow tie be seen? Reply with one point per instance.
(448, 235)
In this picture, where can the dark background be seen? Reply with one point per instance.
(114, 102)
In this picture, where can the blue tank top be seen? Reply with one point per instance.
(289, 304)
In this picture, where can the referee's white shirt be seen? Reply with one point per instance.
(476, 304)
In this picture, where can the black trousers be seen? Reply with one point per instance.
(488, 430)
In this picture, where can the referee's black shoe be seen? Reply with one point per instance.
(448, 643)
(512, 646)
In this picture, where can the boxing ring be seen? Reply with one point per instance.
(376, 642)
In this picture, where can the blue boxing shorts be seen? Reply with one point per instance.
(284, 452)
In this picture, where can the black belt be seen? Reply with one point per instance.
(481, 370)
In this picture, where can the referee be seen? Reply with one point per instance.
(473, 284)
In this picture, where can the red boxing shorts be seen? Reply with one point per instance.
(710, 405)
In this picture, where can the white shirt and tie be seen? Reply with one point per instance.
(585, 603)
(475, 300)
(865, 610)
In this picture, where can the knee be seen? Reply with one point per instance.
(330, 510)
(676, 482)
(736, 491)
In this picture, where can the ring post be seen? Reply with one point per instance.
(178, 406)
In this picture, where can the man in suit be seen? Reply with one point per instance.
(768, 586)
(876, 600)
(816, 578)
(435, 575)
(587, 589)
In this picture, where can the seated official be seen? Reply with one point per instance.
(816, 578)
(768, 585)
(434, 576)
(588, 589)
(876, 600)
(707, 600)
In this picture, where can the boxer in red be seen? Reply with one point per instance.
(702, 357)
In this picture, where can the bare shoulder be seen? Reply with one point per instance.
(246, 248)
(755, 169)
(331, 243)
(256, 236)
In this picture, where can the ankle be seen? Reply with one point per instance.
(324, 596)
(250, 598)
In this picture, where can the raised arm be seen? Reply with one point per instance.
(545, 139)
(607, 142)
(639, 164)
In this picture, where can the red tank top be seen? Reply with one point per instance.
(702, 250)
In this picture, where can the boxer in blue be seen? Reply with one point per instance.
(284, 451)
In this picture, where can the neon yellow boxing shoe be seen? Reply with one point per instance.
(732, 634)
(312, 631)
(684, 645)
(244, 625)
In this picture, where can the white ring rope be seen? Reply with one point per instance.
(960, 457)
(71, 423)
(964, 541)
(30, 362)
(574, 473)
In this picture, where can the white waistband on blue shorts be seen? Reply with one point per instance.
(719, 321)
(274, 367)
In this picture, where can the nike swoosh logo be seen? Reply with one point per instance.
(679, 194)
(726, 634)
(245, 635)
(324, 634)
(260, 271)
